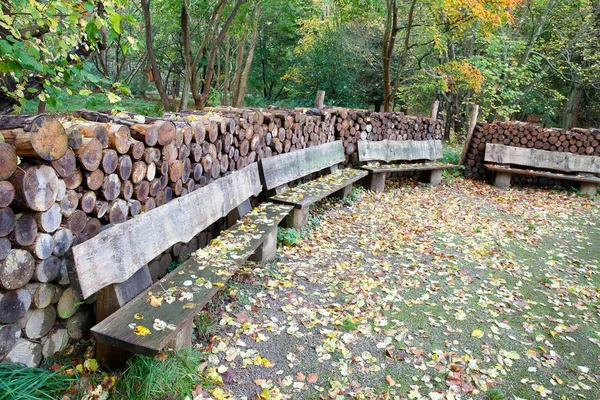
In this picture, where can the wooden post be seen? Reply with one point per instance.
(434, 109)
(297, 218)
(320, 101)
(343, 193)
(377, 182)
(472, 123)
(268, 248)
(433, 177)
(588, 188)
(502, 179)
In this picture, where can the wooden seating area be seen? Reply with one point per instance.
(136, 316)
(382, 157)
(505, 161)
(280, 170)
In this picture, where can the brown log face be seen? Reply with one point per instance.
(8, 160)
(48, 269)
(69, 203)
(137, 149)
(88, 201)
(25, 230)
(166, 132)
(119, 138)
(65, 166)
(92, 227)
(125, 166)
(90, 154)
(74, 180)
(110, 160)
(63, 239)
(7, 193)
(48, 138)
(111, 188)
(127, 190)
(95, 179)
(17, 269)
(76, 222)
(35, 187)
(118, 211)
(14, 305)
(49, 220)
(7, 221)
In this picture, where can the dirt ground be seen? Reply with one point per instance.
(460, 291)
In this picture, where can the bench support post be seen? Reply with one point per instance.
(110, 299)
(183, 339)
(376, 181)
(268, 248)
(588, 188)
(502, 179)
(433, 176)
(297, 218)
(343, 193)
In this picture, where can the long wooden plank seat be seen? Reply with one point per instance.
(279, 171)
(380, 157)
(505, 161)
(153, 320)
(113, 264)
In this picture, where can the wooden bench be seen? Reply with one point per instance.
(279, 171)
(135, 315)
(502, 160)
(422, 152)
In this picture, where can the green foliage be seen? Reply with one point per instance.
(288, 236)
(151, 378)
(495, 394)
(23, 383)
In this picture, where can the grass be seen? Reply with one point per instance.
(18, 382)
(205, 326)
(151, 378)
(69, 103)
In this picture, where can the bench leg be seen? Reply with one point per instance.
(297, 218)
(502, 179)
(433, 177)
(343, 193)
(238, 212)
(110, 299)
(588, 188)
(377, 182)
(268, 248)
(183, 340)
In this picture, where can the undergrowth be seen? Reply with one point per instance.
(18, 382)
(152, 378)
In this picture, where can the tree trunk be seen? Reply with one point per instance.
(243, 84)
(152, 57)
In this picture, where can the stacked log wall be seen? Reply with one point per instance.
(525, 135)
(64, 179)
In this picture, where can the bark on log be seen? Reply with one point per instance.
(36, 136)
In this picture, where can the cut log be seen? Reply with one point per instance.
(74, 138)
(42, 294)
(38, 322)
(63, 239)
(138, 172)
(8, 338)
(95, 131)
(62, 279)
(87, 202)
(17, 269)
(94, 179)
(135, 207)
(90, 154)
(111, 188)
(13, 305)
(110, 160)
(55, 342)
(62, 190)
(48, 221)
(7, 221)
(92, 227)
(119, 138)
(125, 166)
(65, 166)
(69, 203)
(42, 247)
(5, 248)
(166, 132)
(35, 187)
(44, 137)
(7, 193)
(76, 222)
(68, 304)
(25, 230)
(101, 208)
(145, 133)
(26, 353)
(141, 190)
(118, 211)
(136, 151)
(79, 324)
(127, 190)
(8, 160)
(73, 181)
(47, 270)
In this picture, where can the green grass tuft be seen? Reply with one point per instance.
(18, 382)
(205, 326)
(495, 394)
(151, 378)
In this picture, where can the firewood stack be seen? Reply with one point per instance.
(62, 180)
(520, 134)
(353, 125)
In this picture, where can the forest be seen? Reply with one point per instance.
(530, 60)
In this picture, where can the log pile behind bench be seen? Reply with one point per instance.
(63, 179)
(519, 134)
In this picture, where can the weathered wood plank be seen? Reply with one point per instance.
(288, 167)
(557, 160)
(308, 193)
(153, 319)
(578, 178)
(408, 167)
(393, 150)
(116, 253)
